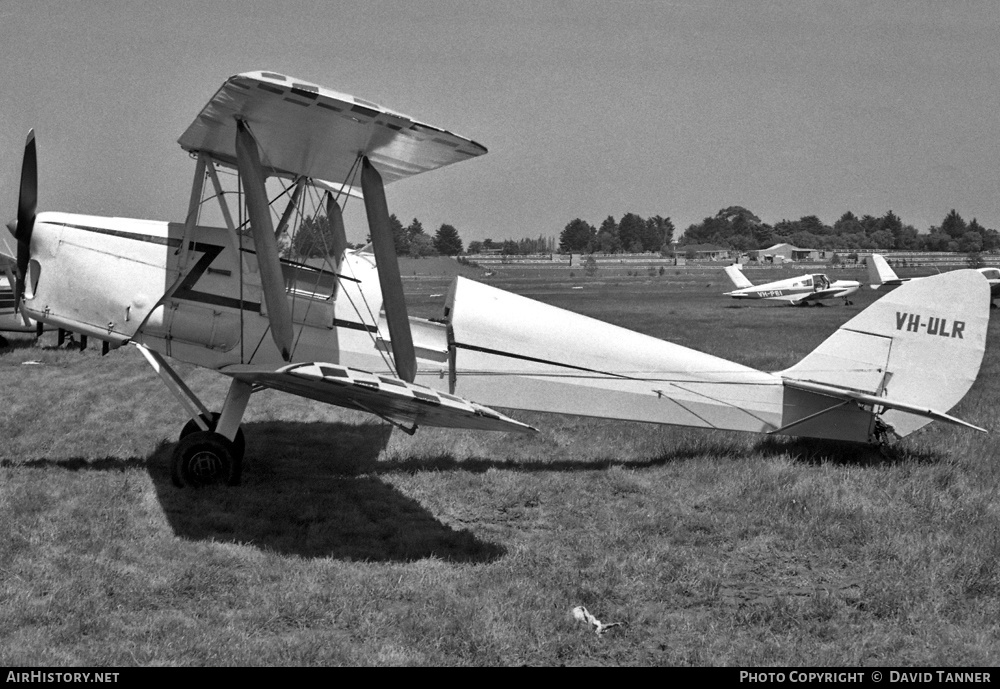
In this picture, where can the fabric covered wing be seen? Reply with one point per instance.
(381, 395)
(305, 129)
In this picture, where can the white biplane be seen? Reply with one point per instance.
(224, 298)
(798, 291)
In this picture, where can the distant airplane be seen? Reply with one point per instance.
(880, 273)
(799, 291)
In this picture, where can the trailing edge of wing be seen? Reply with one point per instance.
(864, 398)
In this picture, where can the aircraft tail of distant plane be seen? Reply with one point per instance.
(736, 275)
(915, 352)
(880, 273)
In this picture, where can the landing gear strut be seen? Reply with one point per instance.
(211, 445)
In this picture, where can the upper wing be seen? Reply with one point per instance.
(384, 396)
(305, 129)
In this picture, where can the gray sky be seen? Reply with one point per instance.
(589, 109)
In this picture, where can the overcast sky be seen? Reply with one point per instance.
(588, 109)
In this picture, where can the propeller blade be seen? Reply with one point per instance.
(27, 207)
(388, 272)
(27, 200)
(272, 280)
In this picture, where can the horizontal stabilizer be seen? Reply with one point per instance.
(885, 402)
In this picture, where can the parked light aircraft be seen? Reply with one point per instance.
(798, 291)
(881, 273)
(224, 298)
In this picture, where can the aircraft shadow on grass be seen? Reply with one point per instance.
(314, 491)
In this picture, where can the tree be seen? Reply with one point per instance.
(576, 237)
(658, 233)
(953, 225)
(970, 242)
(314, 237)
(400, 238)
(630, 231)
(447, 242)
(422, 245)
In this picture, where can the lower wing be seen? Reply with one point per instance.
(390, 398)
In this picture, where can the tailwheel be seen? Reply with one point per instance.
(239, 444)
(205, 458)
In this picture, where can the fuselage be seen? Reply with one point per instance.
(122, 280)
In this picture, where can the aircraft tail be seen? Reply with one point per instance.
(880, 273)
(736, 275)
(914, 353)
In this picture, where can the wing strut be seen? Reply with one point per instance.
(272, 281)
(388, 272)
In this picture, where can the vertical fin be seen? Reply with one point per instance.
(736, 275)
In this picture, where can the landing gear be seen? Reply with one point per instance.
(239, 443)
(211, 445)
(205, 458)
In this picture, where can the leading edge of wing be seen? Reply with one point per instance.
(382, 395)
(864, 398)
(307, 129)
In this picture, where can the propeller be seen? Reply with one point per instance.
(27, 208)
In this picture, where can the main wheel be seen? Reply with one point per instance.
(205, 458)
(239, 442)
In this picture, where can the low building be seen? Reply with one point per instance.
(786, 252)
(709, 252)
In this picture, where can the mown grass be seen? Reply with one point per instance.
(350, 543)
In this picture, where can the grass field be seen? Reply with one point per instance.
(350, 543)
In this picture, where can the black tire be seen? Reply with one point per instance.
(239, 442)
(205, 458)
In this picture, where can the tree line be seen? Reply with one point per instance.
(734, 228)
(314, 237)
(738, 228)
(633, 234)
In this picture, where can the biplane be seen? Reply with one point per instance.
(803, 290)
(237, 300)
